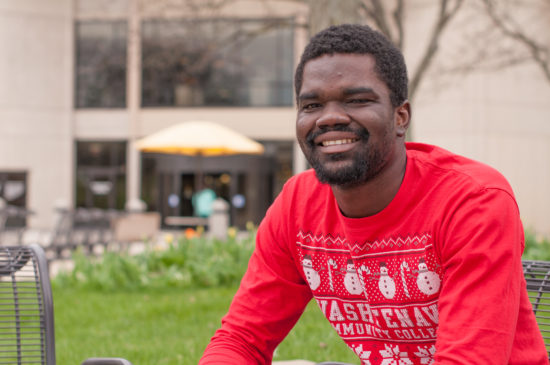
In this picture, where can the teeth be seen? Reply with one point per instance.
(336, 142)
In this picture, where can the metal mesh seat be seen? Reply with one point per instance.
(537, 276)
(26, 310)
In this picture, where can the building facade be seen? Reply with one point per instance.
(83, 80)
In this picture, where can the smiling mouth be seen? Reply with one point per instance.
(338, 142)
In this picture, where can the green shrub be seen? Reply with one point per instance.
(189, 262)
(536, 248)
(197, 262)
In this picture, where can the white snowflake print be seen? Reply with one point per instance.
(426, 354)
(363, 355)
(392, 356)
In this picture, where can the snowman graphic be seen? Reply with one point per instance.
(313, 278)
(351, 279)
(386, 284)
(428, 281)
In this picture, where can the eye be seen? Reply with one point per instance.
(311, 106)
(359, 101)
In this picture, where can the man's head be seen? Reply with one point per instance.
(353, 111)
(359, 39)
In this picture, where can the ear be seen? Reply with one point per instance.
(402, 118)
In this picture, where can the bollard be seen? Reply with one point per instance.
(218, 222)
(135, 206)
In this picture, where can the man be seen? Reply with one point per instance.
(412, 253)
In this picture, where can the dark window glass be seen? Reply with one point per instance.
(217, 62)
(101, 175)
(13, 192)
(101, 64)
(281, 152)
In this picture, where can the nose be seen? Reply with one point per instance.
(333, 114)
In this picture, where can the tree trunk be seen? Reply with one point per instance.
(324, 13)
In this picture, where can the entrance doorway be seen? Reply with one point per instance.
(245, 182)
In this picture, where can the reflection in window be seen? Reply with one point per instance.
(13, 192)
(101, 174)
(217, 62)
(281, 152)
(101, 64)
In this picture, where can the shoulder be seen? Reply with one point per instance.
(458, 171)
(471, 202)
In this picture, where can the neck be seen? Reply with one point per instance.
(376, 194)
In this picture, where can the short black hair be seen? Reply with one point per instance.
(359, 39)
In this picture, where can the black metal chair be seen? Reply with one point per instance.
(26, 310)
(537, 276)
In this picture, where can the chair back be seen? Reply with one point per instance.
(537, 276)
(26, 307)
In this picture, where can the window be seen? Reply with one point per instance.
(101, 174)
(281, 152)
(101, 64)
(217, 62)
(13, 192)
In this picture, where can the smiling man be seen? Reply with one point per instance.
(411, 252)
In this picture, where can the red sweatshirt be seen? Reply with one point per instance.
(434, 278)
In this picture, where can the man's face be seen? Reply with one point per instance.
(346, 125)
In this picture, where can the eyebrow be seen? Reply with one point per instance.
(359, 90)
(346, 92)
(306, 96)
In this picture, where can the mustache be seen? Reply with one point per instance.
(361, 133)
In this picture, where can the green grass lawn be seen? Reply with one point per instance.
(169, 327)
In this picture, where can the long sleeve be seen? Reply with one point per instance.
(484, 291)
(271, 298)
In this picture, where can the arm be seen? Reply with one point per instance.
(271, 298)
(479, 302)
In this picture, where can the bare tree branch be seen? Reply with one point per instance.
(446, 13)
(324, 13)
(539, 53)
(492, 42)
(398, 16)
(379, 16)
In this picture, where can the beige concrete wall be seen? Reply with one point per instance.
(257, 123)
(502, 119)
(36, 99)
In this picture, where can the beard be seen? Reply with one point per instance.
(356, 167)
